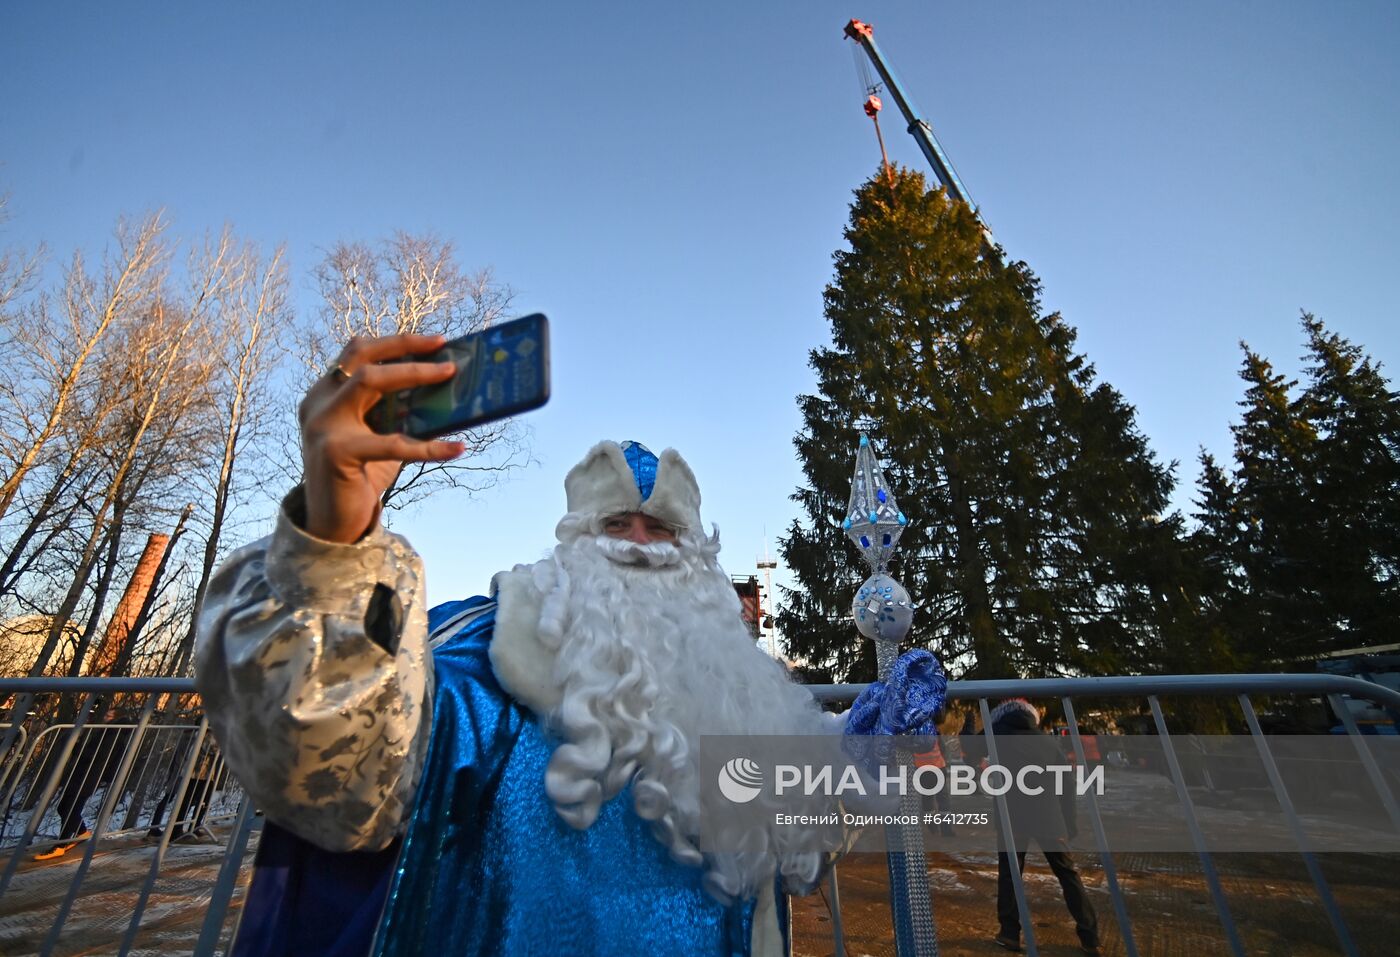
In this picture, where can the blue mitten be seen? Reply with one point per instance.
(905, 704)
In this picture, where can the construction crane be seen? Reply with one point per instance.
(864, 35)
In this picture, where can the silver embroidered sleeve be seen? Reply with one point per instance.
(325, 727)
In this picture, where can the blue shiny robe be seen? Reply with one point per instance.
(487, 867)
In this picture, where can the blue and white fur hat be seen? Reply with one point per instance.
(616, 477)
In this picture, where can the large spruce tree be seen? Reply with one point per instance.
(1036, 542)
(1304, 536)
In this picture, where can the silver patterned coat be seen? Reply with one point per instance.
(313, 663)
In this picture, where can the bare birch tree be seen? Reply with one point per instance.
(50, 353)
(141, 397)
(165, 373)
(414, 283)
(65, 486)
(252, 326)
(17, 269)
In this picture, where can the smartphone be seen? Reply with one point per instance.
(501, 371)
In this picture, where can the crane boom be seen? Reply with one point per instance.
(863, 34)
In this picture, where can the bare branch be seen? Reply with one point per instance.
(130, 277)
(413, 283)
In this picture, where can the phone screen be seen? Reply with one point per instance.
(501, 371)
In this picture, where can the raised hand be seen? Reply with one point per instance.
(347, 464)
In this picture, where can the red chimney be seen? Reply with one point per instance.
(130, 606)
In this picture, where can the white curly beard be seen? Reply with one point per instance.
(651, 654)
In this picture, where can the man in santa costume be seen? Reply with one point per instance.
(512, 774)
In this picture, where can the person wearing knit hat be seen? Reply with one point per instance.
(504, 774)
(1019, 707)
(1047, 819)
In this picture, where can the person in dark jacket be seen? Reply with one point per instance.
(92, 764)
(1046, 818)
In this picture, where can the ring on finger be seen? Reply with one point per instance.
(338, 373)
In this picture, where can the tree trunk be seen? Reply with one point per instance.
(11, 570)
(99, 601)
(989, 650)
(269, 301)
(81, 572)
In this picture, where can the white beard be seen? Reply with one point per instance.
(651, 653)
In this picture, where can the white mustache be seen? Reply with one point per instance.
(650, 555)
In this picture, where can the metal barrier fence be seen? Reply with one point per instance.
(131, 761)
(1337, 691)
(120, 773)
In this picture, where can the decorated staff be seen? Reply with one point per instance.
(909, 693)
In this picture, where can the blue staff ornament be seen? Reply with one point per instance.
(883, 612)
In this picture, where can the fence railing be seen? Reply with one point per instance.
(113, 795)
(110, 771)
(1336, 690)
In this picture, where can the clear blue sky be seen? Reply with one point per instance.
(668, 182)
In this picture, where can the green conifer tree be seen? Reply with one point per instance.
(1214, 574)
(1357, 472)
(1036, 542)
(1275, 450)
(1305, 536)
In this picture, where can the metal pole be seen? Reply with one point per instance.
(159, 856)
(1142, 685)
(838, 933)
(228, 877)
(1367, 759)
(64, 752)
(1120, 907)
(1217, 893)
(1009, 848)
(883, 613)
(29, 750)
(1324, 892)
(109, 803)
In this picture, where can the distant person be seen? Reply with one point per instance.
(1047, 819)
(206, 777)
(946, 751)
(93, 764)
